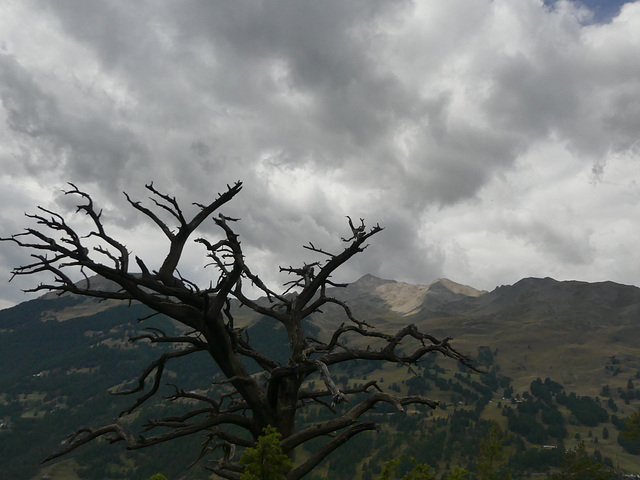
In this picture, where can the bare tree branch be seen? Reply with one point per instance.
(324, 451)
(243, 401)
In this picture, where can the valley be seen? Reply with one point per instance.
(562, 362)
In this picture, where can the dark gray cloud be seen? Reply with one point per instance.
(52, 140)
(456, 126)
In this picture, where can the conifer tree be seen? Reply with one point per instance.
(265, 460)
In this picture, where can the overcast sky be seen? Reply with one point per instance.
(494, 140)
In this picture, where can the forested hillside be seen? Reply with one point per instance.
(561, 363)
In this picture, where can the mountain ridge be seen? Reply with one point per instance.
(405, 298)
(65, 351)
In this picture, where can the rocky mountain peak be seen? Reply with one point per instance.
(369, 282)
(405, 298)
(444, 284)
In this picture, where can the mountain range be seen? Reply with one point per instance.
(541, 327)
(60, 353)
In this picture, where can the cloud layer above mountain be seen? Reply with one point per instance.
(493, 139)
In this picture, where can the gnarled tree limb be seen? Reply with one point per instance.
(233, 411)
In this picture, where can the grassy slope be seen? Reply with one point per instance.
(574, 350)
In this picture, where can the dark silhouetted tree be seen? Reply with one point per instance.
(234, 413)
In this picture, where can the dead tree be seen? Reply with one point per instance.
(243, 402)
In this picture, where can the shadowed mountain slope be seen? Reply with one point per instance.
(60, 354)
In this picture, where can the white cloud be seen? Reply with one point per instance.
(494, 139)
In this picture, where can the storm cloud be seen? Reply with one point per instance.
(492, 139)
